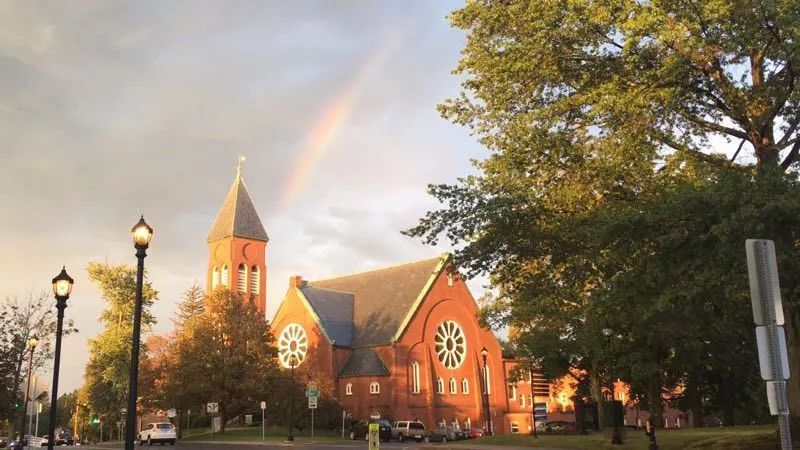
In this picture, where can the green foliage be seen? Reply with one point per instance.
(192, 305)
(601, 203)
(106, 377)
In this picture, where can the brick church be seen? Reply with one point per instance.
(401, 341)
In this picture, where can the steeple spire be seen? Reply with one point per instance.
(238, 216)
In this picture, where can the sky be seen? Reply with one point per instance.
(109, 110)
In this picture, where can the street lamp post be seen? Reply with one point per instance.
(292, 363)
(32, 347)
(533, 401)
(142, 233)
(484, 354)
(616, 437)
(62, 287)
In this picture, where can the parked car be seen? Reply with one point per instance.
(63, 438)
(4, 441)
(160, 432)
(560, 425)
(410, 429)
(474, 433)
(358, 430)
(444, 434)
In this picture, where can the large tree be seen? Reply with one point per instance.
(604, 202)
(107, 372)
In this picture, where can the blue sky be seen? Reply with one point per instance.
(109, 110)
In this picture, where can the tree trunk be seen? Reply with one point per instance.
(654, 399)
(695, 400)
(793, 349)
(726, 401)
(596, 389)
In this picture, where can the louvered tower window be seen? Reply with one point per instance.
(255, 280)
(241, 279)
(214, 278)
(224, 276)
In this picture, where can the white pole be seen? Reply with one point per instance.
(38, 411)
(262, 425)
(188, 420)
(344, 414)
(312, 425)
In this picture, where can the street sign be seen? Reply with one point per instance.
(212, 408)
(312, 393)
(765, 290)
(312, 402)
(762, 339)
(373, 437)
(765, 297)
(263, 405)
(375, 415)
(171, 413)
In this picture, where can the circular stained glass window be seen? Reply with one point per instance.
(292, 343)
(451, 344)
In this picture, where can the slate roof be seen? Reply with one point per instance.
(381, 299)
(238, 216)
(335, 312)
(363, 361)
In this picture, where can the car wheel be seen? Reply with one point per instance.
(352, 436)
(172, 442)
(427, 440)
(149, 441)
(400, 438)
(444, 440)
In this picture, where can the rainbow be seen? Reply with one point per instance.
(335, 113)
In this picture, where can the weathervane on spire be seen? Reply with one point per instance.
(239, 161)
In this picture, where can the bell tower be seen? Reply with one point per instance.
(237, 247)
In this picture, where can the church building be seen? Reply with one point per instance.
(402, 341)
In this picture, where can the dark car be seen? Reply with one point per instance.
(358, 430)
(444, 434)
(64, 438)
(474, 433)
(560, 425)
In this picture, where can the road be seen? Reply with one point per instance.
(344, 445)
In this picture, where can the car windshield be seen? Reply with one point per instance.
(164, 426)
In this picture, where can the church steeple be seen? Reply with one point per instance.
(237, 246)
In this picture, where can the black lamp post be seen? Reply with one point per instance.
(32, 347)
(616, 437)
(484, 354)
(142, 233)
(292, 363)
(62, 287)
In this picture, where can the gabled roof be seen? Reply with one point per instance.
(363, 361)
(383, 299)
(238, 216)
(335, 312)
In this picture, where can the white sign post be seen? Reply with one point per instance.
(213, 409)
(765, 295)
(263, 421)
(313, 394)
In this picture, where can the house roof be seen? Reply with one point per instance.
(363, 361)
(335, 312)
(382, 299)
(238, 216)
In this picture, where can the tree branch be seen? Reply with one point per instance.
(792, 156)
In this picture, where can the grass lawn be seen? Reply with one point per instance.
(253, 434)
(760, 437)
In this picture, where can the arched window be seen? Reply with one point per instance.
(415, 377)
(241, 279)
(512, 391)
(522, 400)
(453, 388)
(255, 280)
(374, 388)
(348, 390)
(224, 276)
(439, 385)
(467, 423)
(454, 423)
(214, 278)
(486, 381)
(465, 386)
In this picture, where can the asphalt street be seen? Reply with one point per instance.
(273, 445)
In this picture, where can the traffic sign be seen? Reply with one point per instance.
(212, 408)
(762, 341)
(375, 415)
(312, 402)
(171, 413)
(312, 392)
(373, 437)
(263, 405)
(765, 290)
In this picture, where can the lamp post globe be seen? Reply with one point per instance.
(484, 355)
(141, 233)
(62, 288)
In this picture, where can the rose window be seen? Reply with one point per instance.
(292, 343)
(451, 344)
